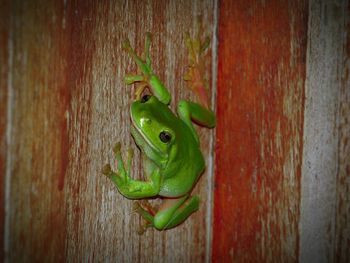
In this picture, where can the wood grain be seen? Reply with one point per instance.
(342, 228)
(70, 106)
(4, 53)
(261, 74)
(39, 145)
(282, 165)
(325, 203)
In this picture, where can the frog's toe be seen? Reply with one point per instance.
(107, 170)
(136, 207)
(149, 36)
(116, 148)
(130, 153)
(143, 227)
(126, 44)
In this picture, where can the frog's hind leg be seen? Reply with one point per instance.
(172, 212)
(146, 214)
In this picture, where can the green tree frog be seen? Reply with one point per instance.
(172, 158)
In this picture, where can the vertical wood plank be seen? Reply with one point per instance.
(325, 203)
(39, 145)
(342, 229)
(261, 73)
(70, 107)
(4, 74)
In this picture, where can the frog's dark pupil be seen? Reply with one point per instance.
(145, 98)
(165, 136)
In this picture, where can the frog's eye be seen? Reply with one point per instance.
(165, 136)
(145, 98)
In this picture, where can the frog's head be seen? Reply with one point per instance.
(153, 128)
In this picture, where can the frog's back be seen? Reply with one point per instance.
(184, 168)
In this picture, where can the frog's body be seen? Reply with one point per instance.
(179, 175)
(172, 158)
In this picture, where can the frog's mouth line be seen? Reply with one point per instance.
(137, 129)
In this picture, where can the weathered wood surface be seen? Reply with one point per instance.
(4, 54)
(260, 94)
(325, 199)
(341, 247)
(69, 107)
(282, 158)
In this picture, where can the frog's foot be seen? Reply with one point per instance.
(118, 180)
(122, 172)
(121, 177)
(144, 62)
(148, 206)
(127, 186)
(145, 214)
(143, 225)
(147, 77)
(145, 58)
(195, 75)
(143, 228)
(141, 79)
(196, 47)
(107, 170)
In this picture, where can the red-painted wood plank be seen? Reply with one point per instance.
(4, 52)
(261, 73)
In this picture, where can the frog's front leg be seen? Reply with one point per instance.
(189, 111)
(171, 213)
(147, 76)
(127, 186)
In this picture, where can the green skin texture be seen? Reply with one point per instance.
(172, 168)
